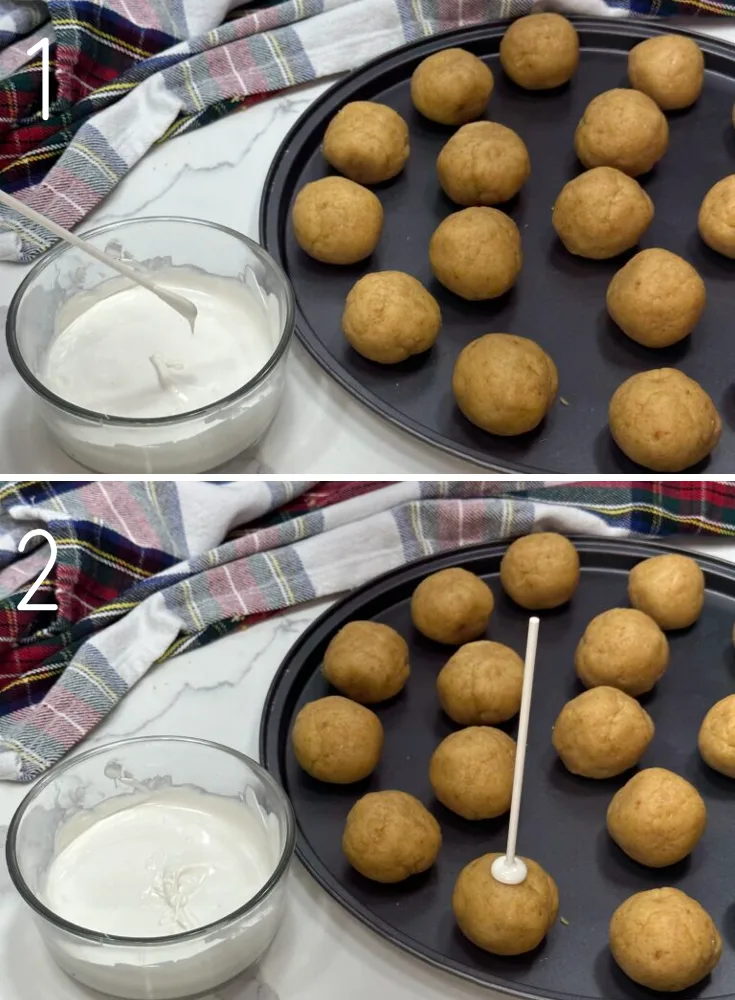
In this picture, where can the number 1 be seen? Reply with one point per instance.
(43, 46)
(24, 605)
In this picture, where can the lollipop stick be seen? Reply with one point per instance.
(181, 304)
(508, 868)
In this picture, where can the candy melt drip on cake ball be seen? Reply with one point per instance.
(504, 919)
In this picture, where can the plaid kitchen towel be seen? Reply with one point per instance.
(131, 73)
(147, 570)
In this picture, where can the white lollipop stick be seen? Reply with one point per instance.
(508, 868)
(181, 304)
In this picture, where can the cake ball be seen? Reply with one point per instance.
(484, 163)
(504, 384)
(451, 87)
(669, 68)
(390, 836)
(540, 571)
(476, 253)
(717, 737)
(602, 733)
(717, 217)
(337, 221)
(452, 606)
(624, 129)
(367, 661)
(602, 213)
(540, 51)
(471, 772)
(624, 649)
(367, 142)
(504, 919)
(664, 940)
(657, 817)
(389, 316)
(657, 298)
(336, 740)
(664, 420)
(669, 589)
(481, 684)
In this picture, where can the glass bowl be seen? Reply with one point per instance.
(200, 439)
(184, 964)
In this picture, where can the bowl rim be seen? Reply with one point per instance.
(100, 937)
(60, 248)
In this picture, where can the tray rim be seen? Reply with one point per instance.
(270, 207)
(269, 737)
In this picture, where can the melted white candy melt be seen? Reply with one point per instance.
(128, 354)
(170, 863)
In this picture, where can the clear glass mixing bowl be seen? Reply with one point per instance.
(192, 442)
(163, 968)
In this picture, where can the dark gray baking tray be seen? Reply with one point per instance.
(562, 818)
(559, 299)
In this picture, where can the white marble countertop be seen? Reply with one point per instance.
(218, 693)
(218, 173)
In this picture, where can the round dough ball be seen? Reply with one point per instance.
(717, 217)
(664, 420)
(476, 253)
(337, 740)
(337, 221)
(504, 919)
(669, 589)
(602, 213)
(664, 939)
(657, 817)
(390, 836)
(540, 571)
(540, 51)
(624, 649)
(669, 68)
(367, 142)
(504, 384)
(657, 298)
(483, 164)
(389, 316)
(717, 737)
(367, 661)
(624, 129)
(451, 87)
(471, 772)
(601, 733)
(452, 606)
(481, 684)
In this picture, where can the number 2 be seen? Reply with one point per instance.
(24, 605)
(43, 46)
